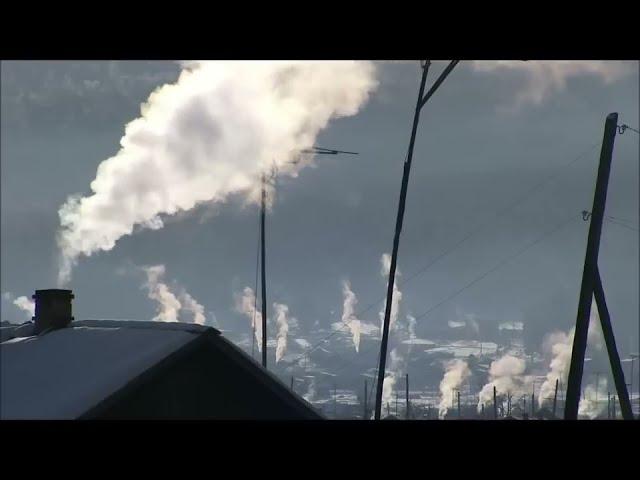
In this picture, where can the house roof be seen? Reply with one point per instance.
(68, 372)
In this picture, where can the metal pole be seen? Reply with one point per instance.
(407, 396)
(610, 341)
(495, 404)
(555, 399)
(396, 241)
(589, 272)
(532, 403)
(264, 273)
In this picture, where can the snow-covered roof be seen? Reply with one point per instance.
(64, 373)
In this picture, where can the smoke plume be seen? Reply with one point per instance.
(456, 373)
(282, 312)
(169, 304)
(205, 137)
(546, 77)
(246, 304)
(385, 261)
(191, 305)
(558, 346)
(588, 406)
(23, 303)
(507, 375)
(348, 313)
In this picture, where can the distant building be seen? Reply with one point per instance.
(57, 368)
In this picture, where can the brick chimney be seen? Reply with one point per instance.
(53, 309)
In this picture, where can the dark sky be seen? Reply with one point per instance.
(477, 153)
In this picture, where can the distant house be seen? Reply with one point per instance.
(99, 369)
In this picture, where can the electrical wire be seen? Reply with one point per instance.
(559, 172)
(496, 267)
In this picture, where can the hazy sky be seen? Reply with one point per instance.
(485, 139)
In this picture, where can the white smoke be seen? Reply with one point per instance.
(23, 303)
(246, 304)
(169, 304)
(543, 78)
(393, 372)
(190, 304)
(348, 313)
(456, 373)
(588, 406)
(205, 137)
(507, 375)
(385, 261)
(558, 346)
(282, 312)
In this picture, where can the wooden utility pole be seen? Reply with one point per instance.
(422, 99)
(592, 286)
(495, 404)
(263, 207)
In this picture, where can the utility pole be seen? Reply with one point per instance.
(609, 405)
(613, 406)
(263, 270)
(263, 206)
(532, 404)
(407, 395)
(292, 383)
(555, 399)
(335, 401)
(495, 404)
(459, 415)
(591, 286)
(422, 99)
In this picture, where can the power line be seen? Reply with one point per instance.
(485, 274)
(623, 225)
(509, 207)
(500, 264)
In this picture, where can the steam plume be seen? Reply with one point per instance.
(558, 346)
(246, 304)
(385, 260)
(588, 407)
(348, 313)
(169, 304)
(507, 375)
(23, 303)
(545, 77)
(282, 312)
(205, 137)
(190, 304)
(456, 373)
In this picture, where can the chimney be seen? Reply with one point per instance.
(53, 309)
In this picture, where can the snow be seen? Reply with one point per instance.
(64, 373)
